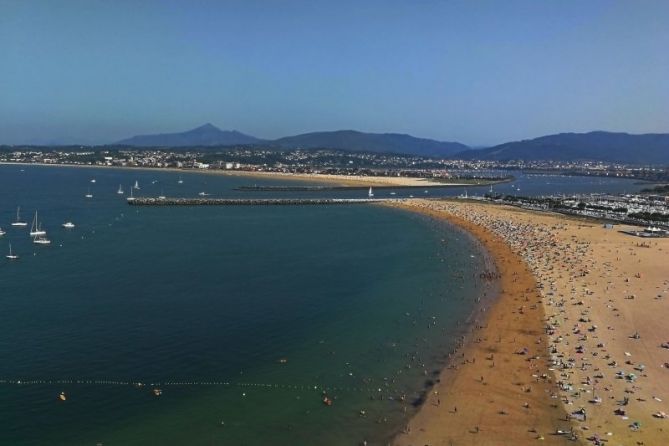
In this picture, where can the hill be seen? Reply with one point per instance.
(371, 142)
(206, 135)
(651, 148)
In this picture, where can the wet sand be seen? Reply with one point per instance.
(562, 328)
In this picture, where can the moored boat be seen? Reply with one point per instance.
(36, 228)
(18, 221)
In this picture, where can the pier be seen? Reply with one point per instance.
(150, 201)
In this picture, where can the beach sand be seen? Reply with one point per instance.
(321, 179)
(553, 341)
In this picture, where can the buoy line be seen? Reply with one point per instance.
(186, 383)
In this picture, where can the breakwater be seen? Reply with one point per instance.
(150, 201)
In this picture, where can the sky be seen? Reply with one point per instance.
(473, 71)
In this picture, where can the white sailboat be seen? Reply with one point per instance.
(370, 194)
(36, 228)
(162, 195)
(93, 180)
(11, 255)
(68, 225)
(89, 194)
(41, 240)
(181, 181)
(18, 221)
(131, 198)
(136, 186)
(120, 190)
(2, 232)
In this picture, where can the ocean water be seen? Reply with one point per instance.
(244, 317)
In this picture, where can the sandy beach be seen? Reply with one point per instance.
(572, 347)
(326, 179)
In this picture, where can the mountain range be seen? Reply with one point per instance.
(650, 148)
(210, 135)
(594, 146)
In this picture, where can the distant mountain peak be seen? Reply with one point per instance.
(205, 135)
(207, 126)
(355, 140)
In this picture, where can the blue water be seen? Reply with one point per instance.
(243, 316)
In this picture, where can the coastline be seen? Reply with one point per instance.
(463, 409)
(588, 305)
(341, 180)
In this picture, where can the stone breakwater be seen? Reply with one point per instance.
(145, 201)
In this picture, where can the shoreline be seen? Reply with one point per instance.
(342, 180)
(463, 409)
(586, 304)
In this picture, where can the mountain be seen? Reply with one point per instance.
(371, 142)
(651, 148)
(206, 135)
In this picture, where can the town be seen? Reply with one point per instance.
(317, 161)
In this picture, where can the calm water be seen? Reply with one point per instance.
(361, 301)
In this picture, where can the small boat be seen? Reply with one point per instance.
(41, 240)
(161, 196)
(93, 180)
(370, 194)
(68, 225)
(18, 221)
(36, 228)
(393, 193)
(203, 194)
(181, 181)
(2, 232)
(120, 190)
(89, 194)
(157, 392)
(154, 181)
(136, 186)
(62, 396)
(11, 255)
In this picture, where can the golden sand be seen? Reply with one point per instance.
(581, 303)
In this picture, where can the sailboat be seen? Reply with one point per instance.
(36, 229)
(370, 194)
(120, 190)
(93, 180)
(131, 198)
(41, 240)
(162, 195)
(11, 256)
(68, 225)
(89, 194)
(136, 186)
(2, 232)
(181, 181)
(18, 221)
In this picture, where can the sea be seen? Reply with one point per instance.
(281, 325)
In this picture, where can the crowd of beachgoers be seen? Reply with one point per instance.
(604, 331)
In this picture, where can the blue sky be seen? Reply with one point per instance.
(479, 72)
